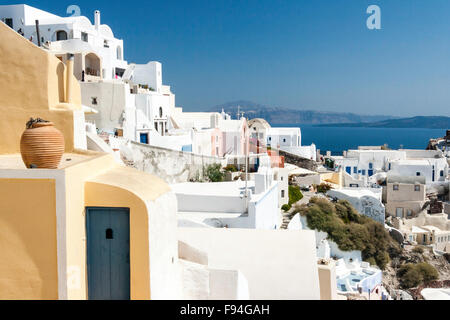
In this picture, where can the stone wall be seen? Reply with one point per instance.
(170, 165)
(297, 160)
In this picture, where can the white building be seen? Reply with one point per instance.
(285, 139)
(224, 204)
(131, 99)
(70, 35)
(365, 201)
(362, 165)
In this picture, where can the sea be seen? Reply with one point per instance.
(339, 139)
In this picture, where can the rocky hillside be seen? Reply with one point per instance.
(410, 255)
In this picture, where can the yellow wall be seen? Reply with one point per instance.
(100, 182)
(33, 84)
(28, 251)
(100, 195)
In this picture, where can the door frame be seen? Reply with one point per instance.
(87, 209)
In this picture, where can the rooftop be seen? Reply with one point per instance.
(356, 192)
(231, 189)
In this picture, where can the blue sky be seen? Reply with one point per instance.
(315, 54)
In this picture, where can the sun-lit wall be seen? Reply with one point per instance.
(33, 83)
(28, 254)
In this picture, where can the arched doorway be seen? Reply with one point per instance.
(61, 35)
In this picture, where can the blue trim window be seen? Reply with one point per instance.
(363, 172)
(355, 169)
(370, 165)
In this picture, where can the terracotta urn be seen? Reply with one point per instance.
(42, 145)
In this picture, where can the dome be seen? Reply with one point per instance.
(259, 122)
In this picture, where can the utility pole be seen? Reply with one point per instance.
(247, 162)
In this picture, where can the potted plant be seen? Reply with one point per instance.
(42, 145)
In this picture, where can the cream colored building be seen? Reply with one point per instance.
(431, 236)
(404, 196)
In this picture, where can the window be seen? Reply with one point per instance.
(442, 173)
(160, 112)
(399, 212)
(418, 174)
(9, 22)
(355, 170)
(144, 138)
(156, 126)
(119, 53)
(396, 187)
(282, 178)
(84, 37)
(284, 140)
(94, 101)
(105, 44)
(363, 172)
(409, 213)
(282, 193)
(417, 188)
(370, 165)
(61, 35)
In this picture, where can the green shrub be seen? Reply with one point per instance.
(302, 209)
(429, 272)
(214, 173)
(372, 261)
(412, 275)
(350, 230)
(295, 195)
(286, 208)
(323, 188)
(418, 250)
(231, 168)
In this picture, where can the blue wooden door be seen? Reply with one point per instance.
(144, 138)
(108, 253)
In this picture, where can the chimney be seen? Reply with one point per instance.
(97, 19)
(69, 74)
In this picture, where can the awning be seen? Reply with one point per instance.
(89, 110)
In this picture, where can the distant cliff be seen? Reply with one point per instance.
(416, 122)
(279, 115)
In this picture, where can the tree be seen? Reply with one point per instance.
(214, 173)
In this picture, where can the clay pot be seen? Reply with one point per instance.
(42, 146)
